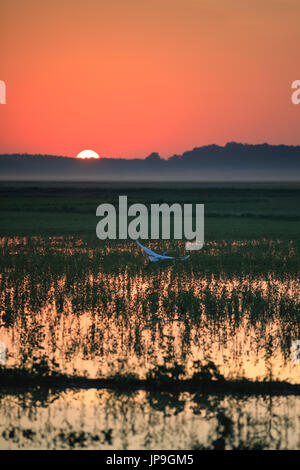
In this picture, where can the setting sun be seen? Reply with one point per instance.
(87, 154)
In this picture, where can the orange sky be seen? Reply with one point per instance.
(128, 77)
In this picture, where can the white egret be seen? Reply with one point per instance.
(154, 257)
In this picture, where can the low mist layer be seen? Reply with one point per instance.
(233, 162)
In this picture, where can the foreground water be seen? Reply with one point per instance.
(103, 419)
(99, 315)
(103, 311)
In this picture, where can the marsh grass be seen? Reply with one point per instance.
(107, 350)
(90, 306)
(67, 298)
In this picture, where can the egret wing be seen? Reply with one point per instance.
(174, 257)
(146, 250)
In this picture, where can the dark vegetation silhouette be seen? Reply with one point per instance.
(233, 162)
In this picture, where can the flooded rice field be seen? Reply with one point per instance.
(101, 320)
(75, 306)
(105, 419)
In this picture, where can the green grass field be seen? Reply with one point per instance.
(243, 211)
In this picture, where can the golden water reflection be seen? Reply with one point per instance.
(103, 323)
(102, 419)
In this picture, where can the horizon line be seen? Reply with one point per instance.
(153, 153)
